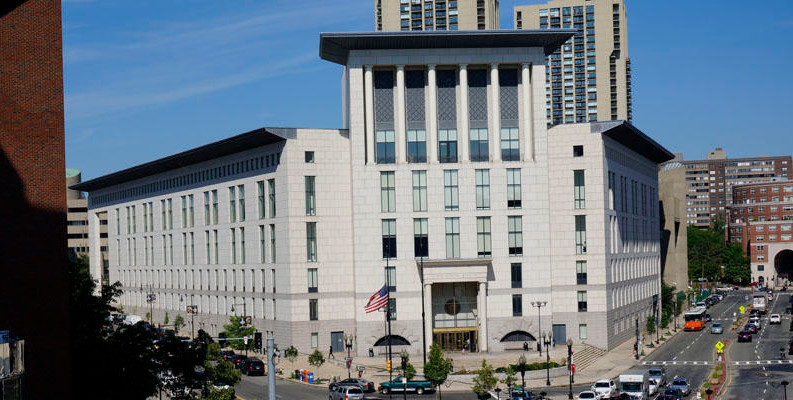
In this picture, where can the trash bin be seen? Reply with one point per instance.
(310, 377)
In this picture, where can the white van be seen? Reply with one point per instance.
(635, 383)
(132, 319)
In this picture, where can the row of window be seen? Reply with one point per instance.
(385, 150)
(223, 305)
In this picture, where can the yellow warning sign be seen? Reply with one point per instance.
(742, 309)
(719, 346)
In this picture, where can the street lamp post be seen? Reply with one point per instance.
(423, 317)
(498, 392)
(522, 364)
(784, 387)
(539, 305)
(570, 366)
(404, 356)
(348, 341)
(547, 341)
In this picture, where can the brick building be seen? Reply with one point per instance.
(761, 219)
(33, 286)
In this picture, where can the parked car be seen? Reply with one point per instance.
(346, 393)
(588, 395)
(604, 388)
(671, 393)
(363, 384)
(744, 336)
(716, 328)
(396, 385)
(775, 319)
(519, 394)
(659, 374)
(252, 366)
(681, 384)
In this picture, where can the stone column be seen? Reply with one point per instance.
(526, 116)
(369, 115)
(400, 140)
(431, 119)
(462, 116)
(494, 114)
(482, 307)
(428, 315)
(95, 250)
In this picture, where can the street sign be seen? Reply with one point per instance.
(360, 368)
(742, 309)
(245, 340)
(192, 309)
(151, 298)
(719, 346)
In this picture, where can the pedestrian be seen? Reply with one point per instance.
(330, 353)
(525, 346)
(553, 340)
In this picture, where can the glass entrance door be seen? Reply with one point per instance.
(456, 340)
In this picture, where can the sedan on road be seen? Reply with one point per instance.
(775, 319)
(587, 395)
(751, 328)
(346, 393)
(716, 328)
(604, 388)
(680, 384)
(674, 394)
(363, 384)
(744, 336)
(252, 366)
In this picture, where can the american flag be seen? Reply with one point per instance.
(378, 300)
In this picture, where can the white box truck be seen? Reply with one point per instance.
(759, 302)
(635, 383)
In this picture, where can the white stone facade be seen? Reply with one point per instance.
(535, 237)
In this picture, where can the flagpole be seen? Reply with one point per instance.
(388, 308)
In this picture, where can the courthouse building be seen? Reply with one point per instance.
(444, 182)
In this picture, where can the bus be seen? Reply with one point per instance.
(695, 319)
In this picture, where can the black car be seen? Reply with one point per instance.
(363, 384)
(225, 354)
(744, 336)
(751, 328)
(236, 359)
(708, 318)
(676, 394)
(252, 366)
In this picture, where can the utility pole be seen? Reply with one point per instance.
(423, 317)
(270, 366)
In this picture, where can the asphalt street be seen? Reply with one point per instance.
(756, 368)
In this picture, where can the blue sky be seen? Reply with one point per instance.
(148, 78)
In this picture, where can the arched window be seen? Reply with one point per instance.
(518, 336)
(396, 340)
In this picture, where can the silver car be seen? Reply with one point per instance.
(346, 393)
(716, 328)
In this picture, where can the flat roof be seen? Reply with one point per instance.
(631, 137)
(336, 46)
(235, 144)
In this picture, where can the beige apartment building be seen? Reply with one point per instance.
(589, 77)
(436, 15)
(77, 221)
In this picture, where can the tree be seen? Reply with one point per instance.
(410, 371)
(650, 326)
(437, 368)
(705, 251)
(234, 329)
(166, 320)
(178, 323)
(510, 377)
(485, 380)
(291, 354)
(148, 316)
(316, 358)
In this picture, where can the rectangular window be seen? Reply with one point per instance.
(145, 220)
(417, 146)
(233, 246)
(184, 211)
(262, 249)
(612, 189)
(450, 190)
(191, 200)
(242, 245)
(447, 145)
(580, 272)
(579, 189)
(479, 145)
(164, 213)
(118, 223)
(419, 190)
(311, 196)
(170, 213)
(392, 308)
(517, 275)
(391, 278)
(272, 243)
(313, 309)
(482, 189)
(384, 152)
(420, 238)
(582, 332)
(312, 280)
(387, 192)
(271, 188)
(314, 340)
(483, 248)
(510, 144)
(309, 157)
(517, 305)
(241, 201)
(206, 208)
(311, 241)
(232, 205)
(134, 217)
(208, 254)
(578, 151)
(389, 238)
(582, 301)
(515, 235)
(513, 188)
(192, 248)
(260, 189)
(452, 237)
(580, 234)
(215, 207)
(216, 245)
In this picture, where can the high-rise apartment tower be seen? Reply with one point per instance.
(589, 78)
(435, 15)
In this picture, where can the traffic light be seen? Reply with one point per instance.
(388, 365)
(222, 339)
(257, 340)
